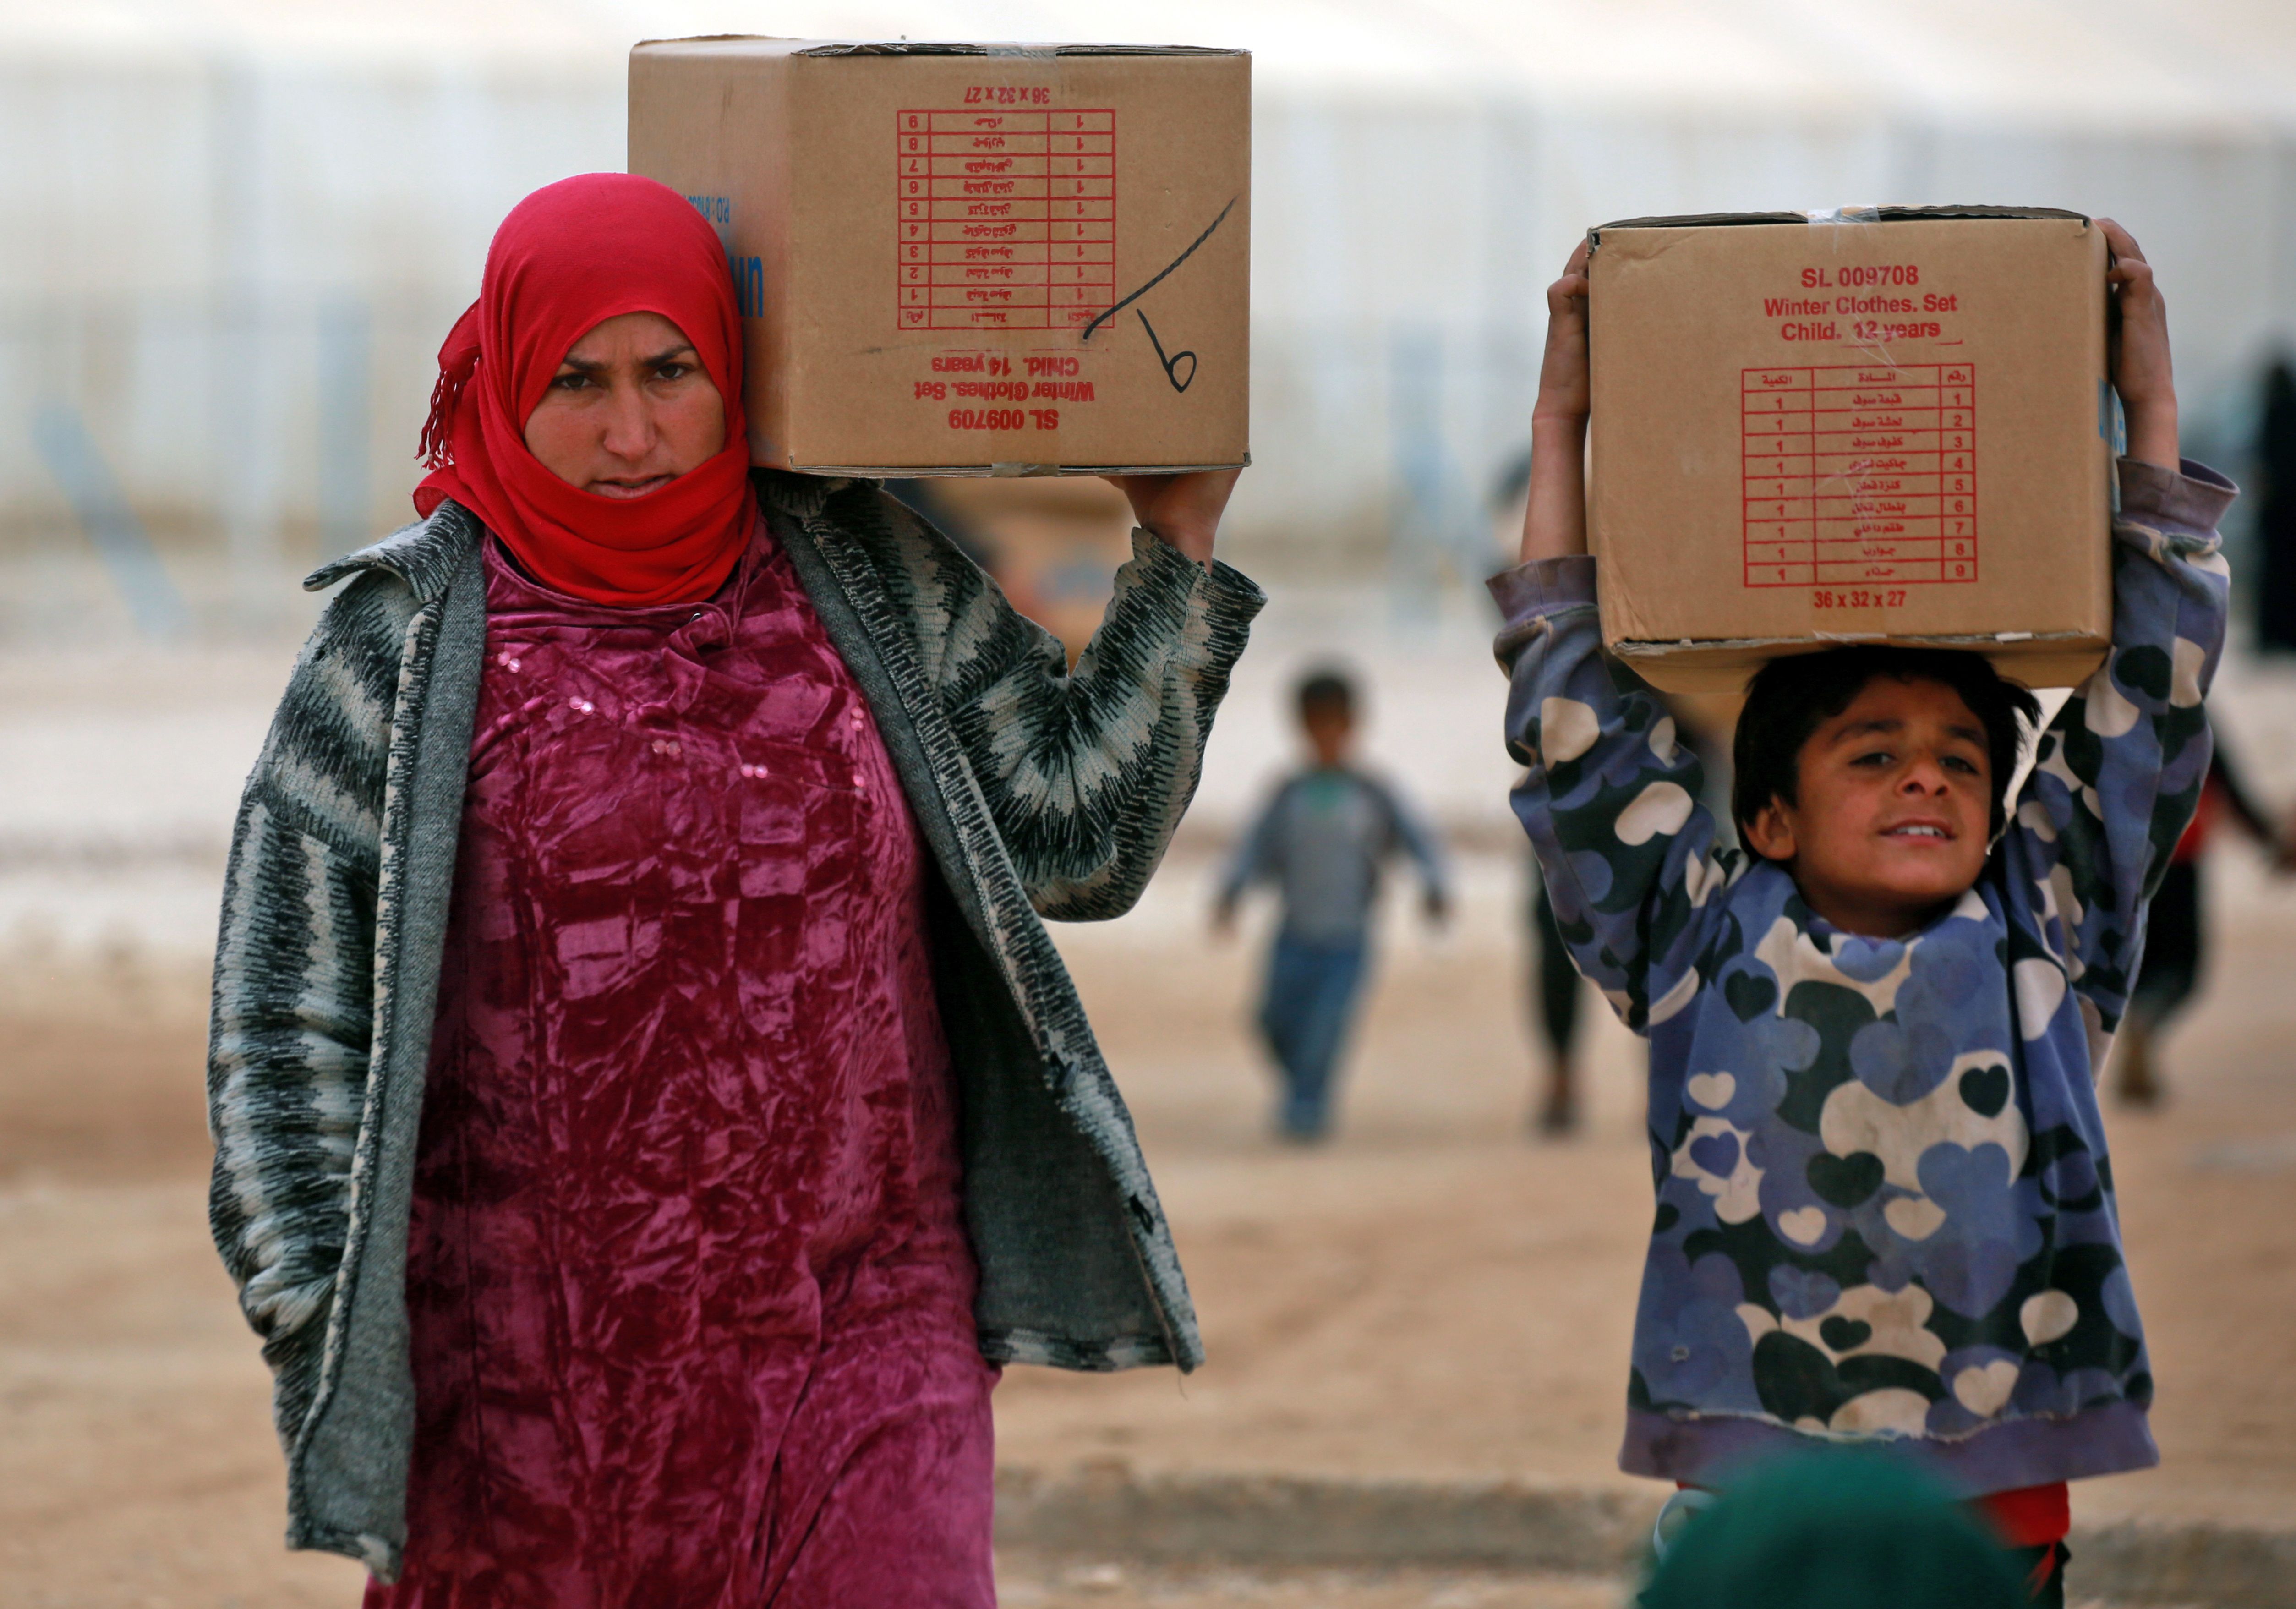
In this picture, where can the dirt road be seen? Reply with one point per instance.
(1434, 1294)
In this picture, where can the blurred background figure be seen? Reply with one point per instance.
(1839, 1530)
(930, 500)
(2272, 487)
(1321, 840)
(2175, 933)
(1053, 542)
(1557, 992)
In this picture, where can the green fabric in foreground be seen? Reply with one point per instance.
(1836, 1528)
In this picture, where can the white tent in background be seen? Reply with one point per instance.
(237, 229)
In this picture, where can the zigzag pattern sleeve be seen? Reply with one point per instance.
(290, 1022)
(1087, 773)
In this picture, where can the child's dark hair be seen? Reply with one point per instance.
(1792, 697)
(1327, 689)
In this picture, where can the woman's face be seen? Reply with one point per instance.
(630, 409)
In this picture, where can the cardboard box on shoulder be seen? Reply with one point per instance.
(968, 259)
(1891, 425)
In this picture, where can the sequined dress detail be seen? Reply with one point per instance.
(689, 1283)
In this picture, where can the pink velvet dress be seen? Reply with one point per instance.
(690, 1289)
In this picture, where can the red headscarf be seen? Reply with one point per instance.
(567, 258)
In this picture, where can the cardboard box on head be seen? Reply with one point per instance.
(1886, 425)
(968, 259)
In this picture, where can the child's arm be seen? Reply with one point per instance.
(1410, 834)
(1610, 800)
(2119, 772)
(1554, 519)
(1255, 858)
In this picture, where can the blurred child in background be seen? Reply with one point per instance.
(1322, 840)
(1555, 986)
(2176, 931)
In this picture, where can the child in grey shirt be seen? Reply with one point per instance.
(1321, 840)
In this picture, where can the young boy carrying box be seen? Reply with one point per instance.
(1884, 1207)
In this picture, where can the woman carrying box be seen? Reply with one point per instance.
(648, 1107)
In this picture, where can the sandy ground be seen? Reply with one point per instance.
(1028, 1582)
(1434, 1294)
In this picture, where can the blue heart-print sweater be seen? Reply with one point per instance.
(1885, 1205)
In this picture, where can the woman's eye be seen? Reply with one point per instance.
(571, 381)
(673, 371)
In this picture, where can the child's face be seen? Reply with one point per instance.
(1331, 730)
(1893, 805)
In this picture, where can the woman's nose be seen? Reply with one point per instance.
(629, 424)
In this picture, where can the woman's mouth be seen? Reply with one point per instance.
(628, 488)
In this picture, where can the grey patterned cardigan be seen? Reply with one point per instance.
(1041, 792)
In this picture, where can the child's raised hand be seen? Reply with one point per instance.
(1563, 391)
(1555, 517)
(2139, 350)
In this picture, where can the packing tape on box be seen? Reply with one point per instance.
(1844, 215)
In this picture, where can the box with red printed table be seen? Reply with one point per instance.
(969, 258)
(1884, 425)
